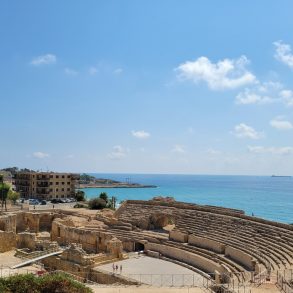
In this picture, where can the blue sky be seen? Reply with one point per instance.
(200, 87)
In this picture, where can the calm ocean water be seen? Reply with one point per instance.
(266, 197)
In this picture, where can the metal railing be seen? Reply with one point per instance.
(152, 280)
(285, 280)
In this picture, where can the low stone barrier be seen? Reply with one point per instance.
(206, 243)
(240, 257)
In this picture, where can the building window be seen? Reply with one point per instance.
(62, 189)
(56, 189)
(68, 183)
(51, 183)
(63, 183)
(57, 176)
(57, 183)
(63, 176)
(68, 189)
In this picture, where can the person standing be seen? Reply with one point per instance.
(120, 269)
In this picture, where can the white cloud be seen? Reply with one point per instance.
(93, 70)
(284, 53)
(249, 97)
(213, 152)
(225, 74)
(44, 60)
(271, 150)
(118, 153)
(118, 71)
(141, 134)
(40, 155)
(281, 124)
(180, 149)
(70, 71)
(263, 93)
(244, 131)
(287, 97)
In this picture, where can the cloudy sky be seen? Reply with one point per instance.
(200, 87)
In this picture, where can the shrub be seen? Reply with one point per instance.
(80, 205)
(97, 204)
(30, 283)
(79, 195)
(104, 196)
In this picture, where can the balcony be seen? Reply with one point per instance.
(42, 191)
(43, 184)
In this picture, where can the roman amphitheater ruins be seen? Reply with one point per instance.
(225, 247)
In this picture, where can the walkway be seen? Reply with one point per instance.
(29, 261)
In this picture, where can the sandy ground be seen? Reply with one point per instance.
(7, 259)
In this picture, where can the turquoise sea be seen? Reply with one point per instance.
(264, 196)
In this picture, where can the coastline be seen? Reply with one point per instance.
(82, 186)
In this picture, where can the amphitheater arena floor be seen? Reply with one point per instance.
(156, 272)
(134, 289)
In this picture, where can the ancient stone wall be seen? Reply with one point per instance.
(91, 241)
(206, 243)
(26, 240)
(8, 223)
(209, 209)
(74, 260)
(240, 257)
(195, 260)
(35, 222)
(46, 220)
(7, 241)
(178, 236)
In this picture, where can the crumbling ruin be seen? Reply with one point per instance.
(219, 243)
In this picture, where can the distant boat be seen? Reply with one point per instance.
(286, 176)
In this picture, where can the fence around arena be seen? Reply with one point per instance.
(152, 280)
(284, 279)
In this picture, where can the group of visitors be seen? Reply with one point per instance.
(116, 267)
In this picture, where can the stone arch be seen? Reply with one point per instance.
(138, 246)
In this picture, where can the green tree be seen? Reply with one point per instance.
(104, 196)
(80, 195)
(4, 189)
(13, 196)
(97, 204)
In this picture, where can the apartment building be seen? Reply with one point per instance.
(45, 185)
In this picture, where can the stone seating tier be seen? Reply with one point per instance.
(282, 252)
(268, 242)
